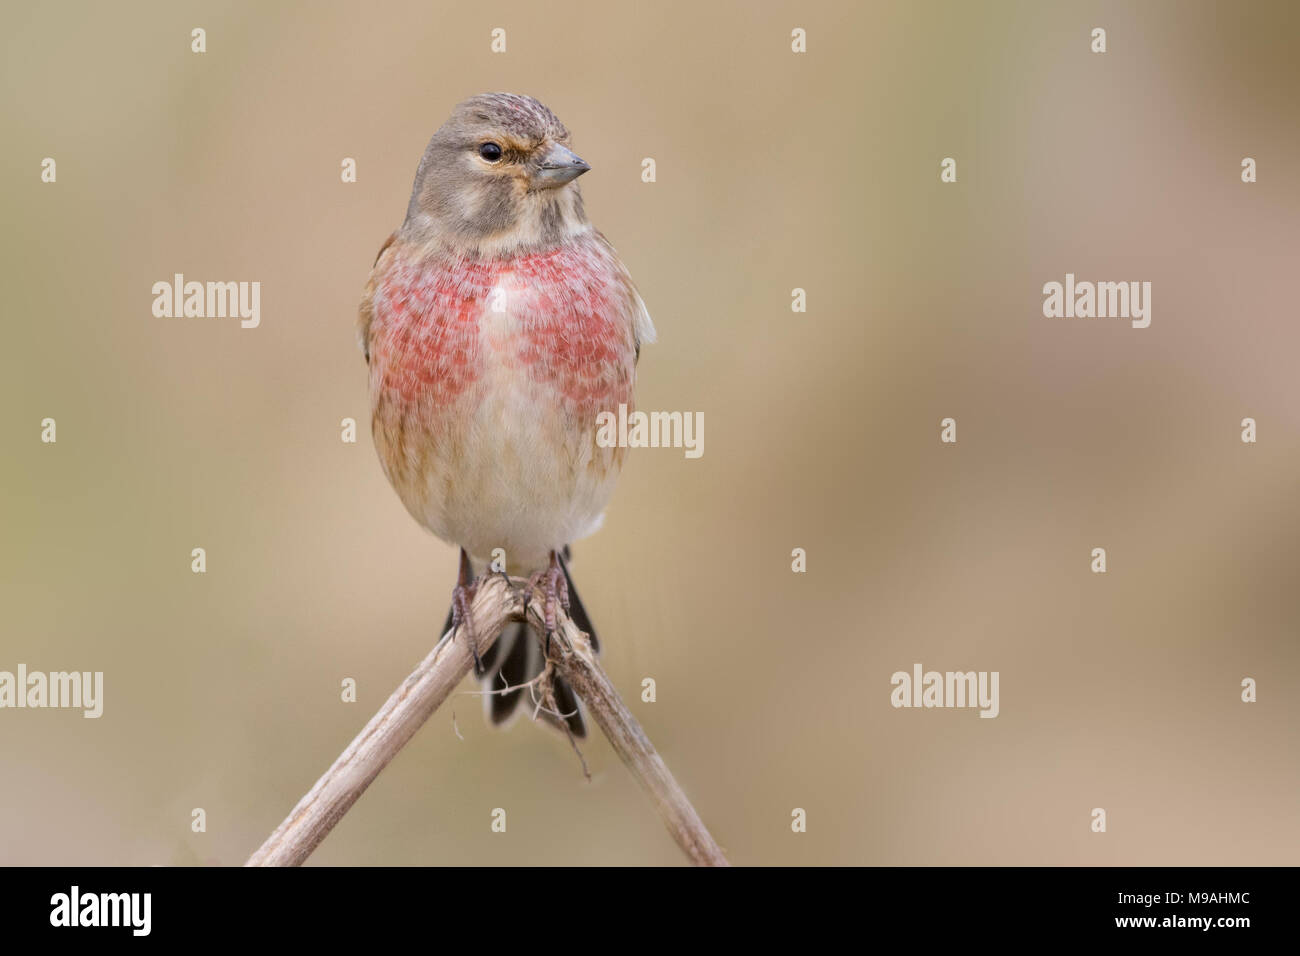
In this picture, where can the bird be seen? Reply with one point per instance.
(498, 324)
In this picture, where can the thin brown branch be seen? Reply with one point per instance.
(578, 665)
(495, 605)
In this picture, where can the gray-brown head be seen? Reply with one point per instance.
(497, 176)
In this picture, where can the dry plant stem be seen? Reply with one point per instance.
(495, 605)
(573, 658)
(388, 732)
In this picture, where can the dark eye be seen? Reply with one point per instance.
(490, 151)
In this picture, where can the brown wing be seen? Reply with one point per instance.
(643, 329)
(366, 313)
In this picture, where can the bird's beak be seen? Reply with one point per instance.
(558, 165)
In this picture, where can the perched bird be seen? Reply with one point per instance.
(497, 324)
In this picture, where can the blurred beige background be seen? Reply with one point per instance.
(774, 171)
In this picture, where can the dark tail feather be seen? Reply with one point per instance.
(566, 703)
(513, 672)
(521, 661)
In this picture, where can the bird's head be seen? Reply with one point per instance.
(498, 177)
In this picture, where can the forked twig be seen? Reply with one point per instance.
(497, 603)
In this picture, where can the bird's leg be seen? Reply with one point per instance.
(461, 596)
(555, 592)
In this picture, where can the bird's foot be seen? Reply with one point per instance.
(462, 596)
(555, 595)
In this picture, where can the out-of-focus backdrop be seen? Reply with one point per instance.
(775, 170)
